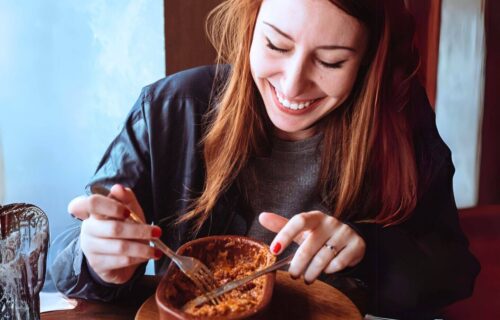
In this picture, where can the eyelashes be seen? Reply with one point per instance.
(336, 65)
(271, 46)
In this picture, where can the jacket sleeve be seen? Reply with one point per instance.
(417, 267)
(125, 162)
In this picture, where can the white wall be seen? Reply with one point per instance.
(69, 72)
(459, 101)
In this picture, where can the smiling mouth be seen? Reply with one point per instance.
(293, 107)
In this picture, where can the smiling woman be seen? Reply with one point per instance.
(312, 134)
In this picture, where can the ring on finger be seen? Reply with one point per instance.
(332, 248)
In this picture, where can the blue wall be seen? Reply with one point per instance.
(69, 72)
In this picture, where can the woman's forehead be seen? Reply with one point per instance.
(319, 21)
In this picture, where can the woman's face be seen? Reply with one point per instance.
(304, 59)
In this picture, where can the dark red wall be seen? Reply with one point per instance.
(186, 45)
(427, 14)
(489, 181)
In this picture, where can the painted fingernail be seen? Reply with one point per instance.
(277, 248)
(126, 213)
(158, 254)
(156, 232)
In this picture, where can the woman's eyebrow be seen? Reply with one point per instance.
(324, 47)
(336, 47)
(279, 31)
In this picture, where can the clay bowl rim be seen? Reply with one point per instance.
(179, 314)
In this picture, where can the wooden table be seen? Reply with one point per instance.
(292, 299)
(91, 310)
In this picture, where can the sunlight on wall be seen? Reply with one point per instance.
(69, 73)
(459, 101)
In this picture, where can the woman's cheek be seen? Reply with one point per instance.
(340, 85)
(261, 64)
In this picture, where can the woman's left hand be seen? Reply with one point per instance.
(325, 243)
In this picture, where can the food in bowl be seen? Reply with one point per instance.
(229, 258)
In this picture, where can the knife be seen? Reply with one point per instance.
(235, 284)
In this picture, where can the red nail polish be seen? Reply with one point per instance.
(158, 254)
(126, 213)
(277, 247)
(156, 232)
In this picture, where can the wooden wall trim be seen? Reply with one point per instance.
(186, 44)
(427, 14)
(489, 177)
(432, 54)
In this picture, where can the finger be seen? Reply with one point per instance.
(320, 261)
(349, 256)
(274, 222)
(307, 251)
(78, 208)
(102, 207)
(116, 247)
(293, 229)
(328, 251)
(116, 229)
(128, 198)
(104, 263)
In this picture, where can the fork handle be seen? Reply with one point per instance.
(157, 242)
(164, 248)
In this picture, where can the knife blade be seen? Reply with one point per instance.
(235, 284)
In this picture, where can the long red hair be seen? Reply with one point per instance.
(368, 169)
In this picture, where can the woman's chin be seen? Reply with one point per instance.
(293, 133)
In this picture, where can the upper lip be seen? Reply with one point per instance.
(292, 100)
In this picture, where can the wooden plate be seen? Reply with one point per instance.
(292, 299)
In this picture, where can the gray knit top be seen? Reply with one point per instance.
(284, 183)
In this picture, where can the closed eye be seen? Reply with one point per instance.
(336, 65)
(271, 46)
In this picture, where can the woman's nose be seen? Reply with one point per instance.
(295, 78)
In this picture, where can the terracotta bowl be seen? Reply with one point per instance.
(175, 289)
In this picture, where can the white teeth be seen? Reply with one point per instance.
(292, 105)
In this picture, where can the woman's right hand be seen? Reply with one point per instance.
(113, 247)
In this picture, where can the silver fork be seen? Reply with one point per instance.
(193, 268)
(235, 284)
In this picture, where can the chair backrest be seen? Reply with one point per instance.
(24, 239)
